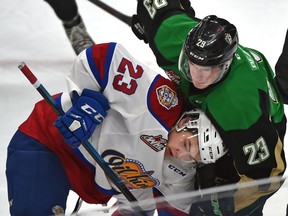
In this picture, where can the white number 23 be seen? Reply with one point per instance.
(258, 151)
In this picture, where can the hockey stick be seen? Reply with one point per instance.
(124, 18)
(86, 144)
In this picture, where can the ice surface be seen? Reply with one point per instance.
(31, 32)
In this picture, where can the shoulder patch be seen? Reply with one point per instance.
(166, 97)
(163, 102)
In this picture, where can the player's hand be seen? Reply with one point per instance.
(80, 121)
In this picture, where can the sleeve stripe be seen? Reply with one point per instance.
(99, 58)
(92, 64)
(108, 59)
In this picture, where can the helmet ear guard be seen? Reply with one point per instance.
(211, 146)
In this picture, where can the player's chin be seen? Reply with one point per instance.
(200, 85)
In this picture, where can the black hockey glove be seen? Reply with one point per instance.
(150, 15)
(138, 29)
(186, 4)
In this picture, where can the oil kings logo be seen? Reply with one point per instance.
(131, 171)
(167, 97)
(157, 143)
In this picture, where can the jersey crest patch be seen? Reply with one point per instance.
(157, 143)
(166, 97)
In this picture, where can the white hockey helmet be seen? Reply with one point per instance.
(211, 146)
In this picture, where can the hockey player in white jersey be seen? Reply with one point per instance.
(126, 110)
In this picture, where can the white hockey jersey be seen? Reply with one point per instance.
(132, 137)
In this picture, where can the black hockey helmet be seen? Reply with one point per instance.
(212, 42)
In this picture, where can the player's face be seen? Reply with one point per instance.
(183, 144)
(203, 76)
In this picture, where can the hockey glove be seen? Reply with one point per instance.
(138, 29)
(186, 4)
(80, 121)
(150, 16)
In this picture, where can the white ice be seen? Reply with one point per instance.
(31, 32)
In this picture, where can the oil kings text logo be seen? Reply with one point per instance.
(167, 97)
(157, 143)
(131, 172)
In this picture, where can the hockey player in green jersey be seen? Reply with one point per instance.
(235, 87)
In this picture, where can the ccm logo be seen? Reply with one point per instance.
(88, 109)
(176, 170)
